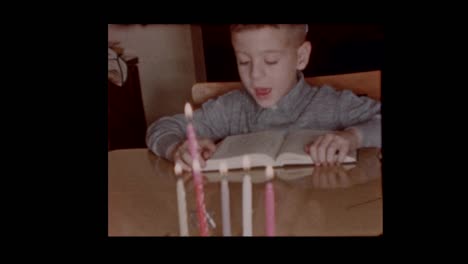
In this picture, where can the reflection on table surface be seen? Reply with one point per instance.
(146, 198)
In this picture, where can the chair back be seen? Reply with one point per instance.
(361, 83)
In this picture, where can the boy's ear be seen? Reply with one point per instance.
(303, 55)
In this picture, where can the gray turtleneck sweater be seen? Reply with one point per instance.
(304, 106)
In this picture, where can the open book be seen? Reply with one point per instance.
(277, 148)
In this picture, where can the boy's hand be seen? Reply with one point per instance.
(332, 148)
(182, 153)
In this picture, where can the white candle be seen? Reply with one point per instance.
(225, 204)
(269, 203)
(181, 202)
(246, 199)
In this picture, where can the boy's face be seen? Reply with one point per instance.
(267, 60)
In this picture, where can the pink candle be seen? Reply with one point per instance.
(201, 210)
(197, 179)
(269, 203)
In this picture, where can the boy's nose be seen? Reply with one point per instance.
(257, 71)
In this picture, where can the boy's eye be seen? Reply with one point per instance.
(243, 62)
(271, 62)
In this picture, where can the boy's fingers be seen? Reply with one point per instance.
(307, 148)
(343, 151)
(187, 160)
(207, 143)
(322, 149)
(183, 165)
(207, 154)
(313, 154)
(202, 163)
(207, 149)
(313, 150)
(331, 152)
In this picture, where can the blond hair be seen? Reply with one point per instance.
(298, 31)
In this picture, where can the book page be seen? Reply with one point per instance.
(292, 151)
(261, 147)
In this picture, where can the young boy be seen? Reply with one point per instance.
(270, 59)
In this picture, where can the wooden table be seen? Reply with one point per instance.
(312, 201)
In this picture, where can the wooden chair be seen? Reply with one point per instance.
(361, 83)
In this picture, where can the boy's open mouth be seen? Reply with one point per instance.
(262, 92)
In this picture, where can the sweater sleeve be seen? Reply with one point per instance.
(363, 114)
(210, 121)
